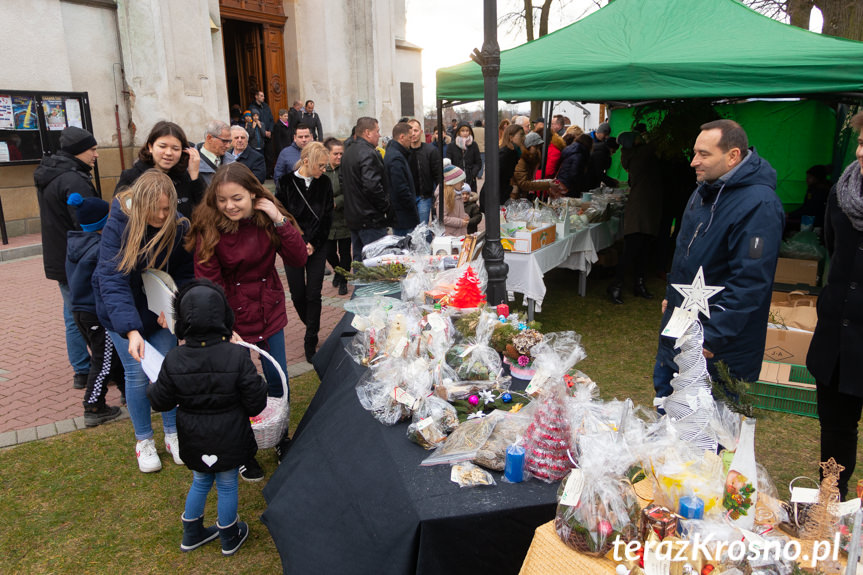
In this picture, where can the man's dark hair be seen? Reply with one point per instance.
(733, 135)
(559, 118)
(302, 126)
(365, 124)
(857, 121)
(404, 119)
(331, 143)
(309, 102)
(454, 120)
(477, 124)
(400, 129)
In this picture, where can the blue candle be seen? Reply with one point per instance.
(691, 507)
(514, 471)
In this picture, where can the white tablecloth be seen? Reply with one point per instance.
(575, 252)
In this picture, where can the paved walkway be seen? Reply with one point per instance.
(36, 395)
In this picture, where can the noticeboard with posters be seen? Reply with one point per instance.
(31, 122)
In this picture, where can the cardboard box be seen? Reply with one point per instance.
(787, 345)
(526, 241)
(793, 271)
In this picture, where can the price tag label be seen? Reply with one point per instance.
(804, 495)
(679, 322)
(537, 381)
(403, 397)
(423, 423)
(573, 488)
(360, 323)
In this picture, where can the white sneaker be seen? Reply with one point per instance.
(148, 459)
(172, 444)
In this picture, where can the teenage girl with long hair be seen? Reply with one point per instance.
(237, 231)
(143, 231)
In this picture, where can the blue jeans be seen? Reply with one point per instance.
(137, 401)
(361, 238)
(424, 206)
(663, 372)
(482, 165)
(277, 350)
(226, 487)
(76, 347)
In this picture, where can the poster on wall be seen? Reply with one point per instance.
(24, 111)
(55, 113)
(73, 113)
(7, 117)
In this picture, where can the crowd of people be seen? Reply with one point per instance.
(201, 214)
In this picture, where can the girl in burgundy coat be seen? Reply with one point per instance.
(238, 229)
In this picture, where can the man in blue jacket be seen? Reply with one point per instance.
(732, 228)
(246, 155)
(402, 196)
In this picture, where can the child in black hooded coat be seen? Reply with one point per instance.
(216, 389)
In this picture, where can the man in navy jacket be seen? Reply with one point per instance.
(402, 196)
(246, 155)
(732, 228)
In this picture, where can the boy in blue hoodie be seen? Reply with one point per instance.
(82, 255)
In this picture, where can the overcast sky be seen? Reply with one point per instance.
(449, 30)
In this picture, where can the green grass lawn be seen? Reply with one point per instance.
(76, 503)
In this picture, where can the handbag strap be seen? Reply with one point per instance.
(296, 187)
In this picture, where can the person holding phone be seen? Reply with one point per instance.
(168, 150)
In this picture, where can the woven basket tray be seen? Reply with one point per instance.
(271, 424)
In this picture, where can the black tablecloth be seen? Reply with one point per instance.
(350, 496)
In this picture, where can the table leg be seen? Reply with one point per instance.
(3, 235)
(582, 283)
(531, 304)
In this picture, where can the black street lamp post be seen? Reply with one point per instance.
(492, 252)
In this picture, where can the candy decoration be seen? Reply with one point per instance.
(503, 310)
(473, 400)
(507, 398)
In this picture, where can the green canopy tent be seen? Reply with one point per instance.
(636, 51)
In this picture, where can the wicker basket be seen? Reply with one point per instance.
(272, 423)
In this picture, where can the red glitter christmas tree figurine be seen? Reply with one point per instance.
(547, 441)
(467, 293)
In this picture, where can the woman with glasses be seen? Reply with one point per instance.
(168, 151)
(308, 194)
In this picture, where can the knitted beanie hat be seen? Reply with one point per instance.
(74, 140)
(452, 175)
(92, 213)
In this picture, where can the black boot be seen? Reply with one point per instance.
(311, 346)
(233, 536)
(343, 286)
(640, 289)
(79, 381)
(195, 534)
(613, 292)
(98, 414)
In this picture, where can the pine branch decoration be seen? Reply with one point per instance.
(734, 392)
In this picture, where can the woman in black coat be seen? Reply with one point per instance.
(308, 195)
(574, 161)
(464, 153)
(834, 354)
(168, 151)
(509, 155)
(216, 389)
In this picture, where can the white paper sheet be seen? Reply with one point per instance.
(152, 362)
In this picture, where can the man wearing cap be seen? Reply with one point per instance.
(601, 132)
(214, 149)
(57, 177)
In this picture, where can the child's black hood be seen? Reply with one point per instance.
(201, 312)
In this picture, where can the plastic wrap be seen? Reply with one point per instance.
(492, 455)
(393, 388)
(467, 474)
(518, 211)
(548, 441)
(554, 357)
(804, 245)
(596, 503)
(386, 245)
(477, 361)
(464, 442)
(432, 420)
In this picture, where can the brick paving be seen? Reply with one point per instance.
(36, 395)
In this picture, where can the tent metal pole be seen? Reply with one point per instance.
(492, 251)
(546, 137)
(440, 142)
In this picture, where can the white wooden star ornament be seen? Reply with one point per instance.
(696, 294)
